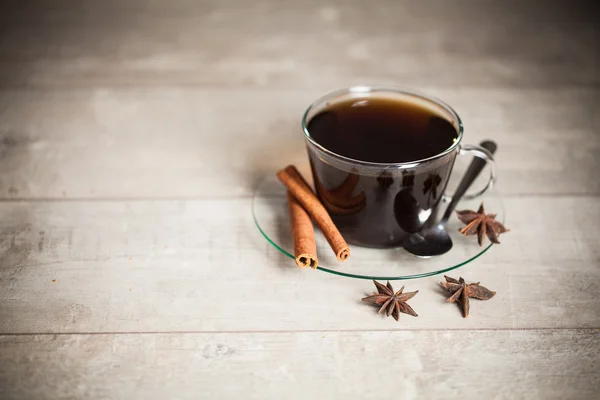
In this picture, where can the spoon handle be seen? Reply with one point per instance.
(470, 175)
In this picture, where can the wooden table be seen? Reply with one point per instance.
(132, 136)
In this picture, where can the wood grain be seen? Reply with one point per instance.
(196, 144)
(299, 44)
(133, 134)
(535, 364)
(202, 266)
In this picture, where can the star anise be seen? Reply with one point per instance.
(461, 291)
(385, 180)
(392, 303)
(481, 224)
(431, 184)
(408, 179)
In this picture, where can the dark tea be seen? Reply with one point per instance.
(382, 130)
(381, 209)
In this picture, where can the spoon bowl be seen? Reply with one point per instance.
(432, 242)
(435, 241)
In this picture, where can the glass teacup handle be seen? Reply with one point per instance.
(482, 156)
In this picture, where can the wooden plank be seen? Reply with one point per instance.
(104, 106)
(297, 44)
(164, 266)
(535, 364)
(197, 144)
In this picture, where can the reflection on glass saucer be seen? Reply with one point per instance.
(270, 212)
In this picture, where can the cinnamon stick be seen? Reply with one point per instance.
(339, 201)
(303, 235)
(347, 187)
(298, 187)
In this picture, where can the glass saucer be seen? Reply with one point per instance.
(270, 212)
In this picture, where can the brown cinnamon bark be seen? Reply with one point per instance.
(298, 187)
(340, 201)
(345, 190)
(303, 235)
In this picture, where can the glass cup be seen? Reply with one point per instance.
(379, 204)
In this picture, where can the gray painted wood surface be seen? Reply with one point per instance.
(549, 364)
(133, 135)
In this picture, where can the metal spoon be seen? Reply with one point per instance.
(435, 241)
